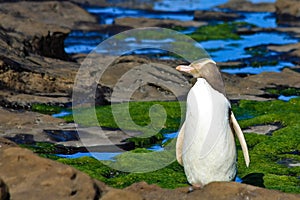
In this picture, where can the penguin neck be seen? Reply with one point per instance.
(217, 85)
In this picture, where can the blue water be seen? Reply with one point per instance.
(107, 15)
(235, 49)
(286, 98)
(260, 19)
(62, 114)
(99, 156)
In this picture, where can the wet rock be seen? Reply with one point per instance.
(29, 176)
(290, 50)
(287, 12)
(164, 23)
(247, 6)
(4, 193)
(267, 129)
(253, 87)
(205, 15)
(16, 122)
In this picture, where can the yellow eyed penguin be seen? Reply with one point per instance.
(205, 144)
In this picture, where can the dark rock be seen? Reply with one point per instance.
(35, 74)
(205, 15)
(4, 193)
(41, 27)
(290, 50)
(288, 12)
(247, 6)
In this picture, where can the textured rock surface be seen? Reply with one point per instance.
(244, 5)
(31, 177)
(288, 12)
(4, 193)
(212, 191)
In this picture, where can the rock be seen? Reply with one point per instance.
(253, 87)
(36, 74)
(30, 127)
(288, 12)
(215, 190)
(59, 13)
(4, 193)
(16, 122)
(287, 77)
(147, 22)
(267, 129)
(41, 27)
(232, 190)
(11, 99)
(290, 50)
(244, 5)
(29, 176)
(121, 194)
(206, 15)
(133, 78)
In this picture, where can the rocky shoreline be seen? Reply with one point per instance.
(35, 69)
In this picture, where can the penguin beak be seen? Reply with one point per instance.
(185, 68)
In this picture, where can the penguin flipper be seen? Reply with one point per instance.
(179, 144)
(237, 129)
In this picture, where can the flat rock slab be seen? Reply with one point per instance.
(30, 127)
(244, 5)
(262, 129)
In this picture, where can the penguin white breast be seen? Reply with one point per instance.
(208, 152)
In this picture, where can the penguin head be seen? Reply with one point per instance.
(205, 68)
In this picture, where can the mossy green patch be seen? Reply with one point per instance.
(135, 116)
(266, 152)
(286, 91)
(221, 31)
(171, 176)
(46, 109)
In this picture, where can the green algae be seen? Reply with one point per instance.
(138, 119)
(221, 31)
(46, 109)
(171, 176)
(286, 91)
(266, 152)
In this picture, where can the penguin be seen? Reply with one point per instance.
(205, 145)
